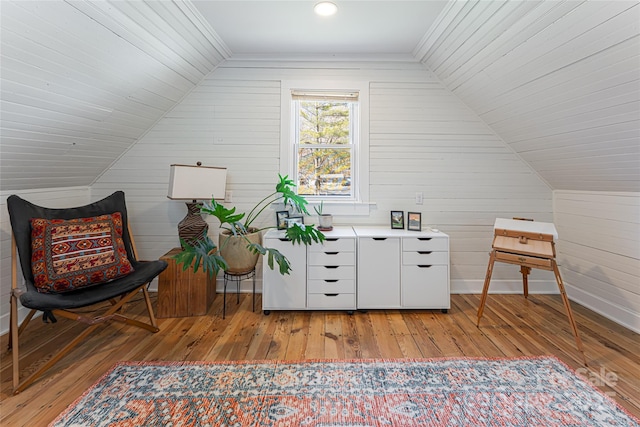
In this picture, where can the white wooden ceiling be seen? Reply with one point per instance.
(558, 81)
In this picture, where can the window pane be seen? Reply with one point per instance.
(324, 122)
(324, 171)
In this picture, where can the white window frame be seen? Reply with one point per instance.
(359, 203)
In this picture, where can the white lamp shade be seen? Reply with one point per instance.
(197, 182)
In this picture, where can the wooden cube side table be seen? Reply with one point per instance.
(183, 293)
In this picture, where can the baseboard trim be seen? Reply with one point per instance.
(605, 308)
(503, 287)
(613, 312)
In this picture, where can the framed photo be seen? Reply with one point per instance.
(294, 220)
(414, 221)
(397, 220)
(281, 219)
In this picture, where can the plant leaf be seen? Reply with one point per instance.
(304, 234)
(203, 253)
(224, 215)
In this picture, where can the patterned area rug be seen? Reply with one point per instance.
(539, 391)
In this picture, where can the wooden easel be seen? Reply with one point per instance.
(529, 245)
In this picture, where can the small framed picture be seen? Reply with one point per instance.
(281, 219)
(414, 221)
(294, 220)
(397, 220)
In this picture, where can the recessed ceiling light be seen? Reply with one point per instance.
(325, 8)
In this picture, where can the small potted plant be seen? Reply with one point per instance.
(240, 243)
(325, 220)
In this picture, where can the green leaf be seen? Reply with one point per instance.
(203, 253)
(304, 234)
(272, 255)
(224, 215)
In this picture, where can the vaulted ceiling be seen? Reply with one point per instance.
(82, 81)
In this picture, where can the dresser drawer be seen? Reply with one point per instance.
(425, 258)
(331, 272)
(425, 244)
(331, 286)
(331, 258)
(334, 245)
(332, 301)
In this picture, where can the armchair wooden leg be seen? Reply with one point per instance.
(13, 342)
(22, 326)
(147, 299)
(92, 322)
(31, 378)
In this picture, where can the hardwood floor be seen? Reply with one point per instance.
(511, 326)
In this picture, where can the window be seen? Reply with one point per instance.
(325, 142)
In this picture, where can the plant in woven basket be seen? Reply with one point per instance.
(240, 243)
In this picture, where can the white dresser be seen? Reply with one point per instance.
(331, 271)
(360, 268)
(323, 276)
(402, 269)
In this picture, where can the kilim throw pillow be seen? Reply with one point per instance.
(72, 254)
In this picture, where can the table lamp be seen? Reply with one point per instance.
(195, 183)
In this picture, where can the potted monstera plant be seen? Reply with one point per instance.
(240, 242)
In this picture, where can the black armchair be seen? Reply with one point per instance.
(117, 291)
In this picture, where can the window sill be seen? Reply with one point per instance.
(338, 208)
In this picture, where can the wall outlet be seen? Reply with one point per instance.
(419, 198)
(228, 196)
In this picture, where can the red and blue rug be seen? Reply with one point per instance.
(537, 391)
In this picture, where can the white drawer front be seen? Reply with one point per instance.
(340, 272)
(334, 245)
(425, 244)
(425, 258)
(331, 258)
(425, 287)
(331, 286)
(332, 301)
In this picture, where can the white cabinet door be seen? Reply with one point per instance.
(378, 272)
(285, 292)
(425, 286)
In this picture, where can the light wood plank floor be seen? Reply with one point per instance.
(511, 326)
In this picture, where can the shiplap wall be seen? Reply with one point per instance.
(82, 80)
(50, 197)
(421, 139)
(599, 251)
(559, 81)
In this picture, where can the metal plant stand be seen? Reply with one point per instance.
(237, 278)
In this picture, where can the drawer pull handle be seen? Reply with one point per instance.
(424, 238)
(379, 238)
(331, 266)
(332, 253)
(333, 239)
(424, 266)
(331, 280)
(424, 252)
(331, 295)
(284, 239)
